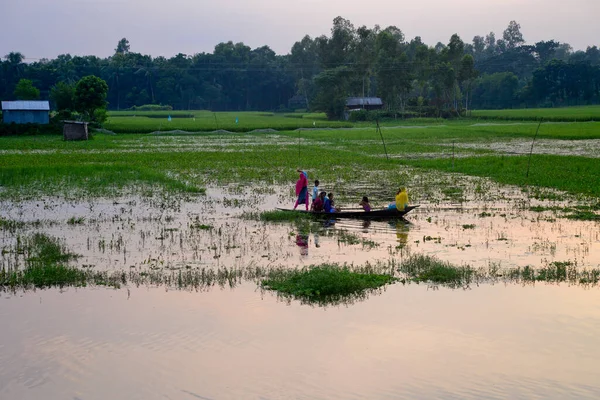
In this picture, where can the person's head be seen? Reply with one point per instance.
(317, 182)
(322, 195)
(365, 199)
(402, 189)
(330, 195)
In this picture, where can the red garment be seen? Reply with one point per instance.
(317, 205)
(301, 183)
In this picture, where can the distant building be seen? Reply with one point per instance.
(23, 112)
(364, 103)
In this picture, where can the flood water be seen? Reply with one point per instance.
(409, 341)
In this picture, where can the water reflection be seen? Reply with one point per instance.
(302, 242)
(402, 227)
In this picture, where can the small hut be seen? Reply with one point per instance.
(364, 103)
(75, 130)
(26, 112)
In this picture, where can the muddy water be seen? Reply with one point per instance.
(211, 232)
(410, 341)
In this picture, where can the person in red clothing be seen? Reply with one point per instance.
(319, 203)
(302, 189)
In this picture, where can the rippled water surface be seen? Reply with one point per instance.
(409, 341)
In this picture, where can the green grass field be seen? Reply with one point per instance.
(203, 121)
(563, 114)
(110, 165)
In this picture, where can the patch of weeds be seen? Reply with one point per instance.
(76, 220)
(366, 243)
(420, 268)
(325, 283)
(453, 193)
(203, 227)
(348, 238)
(432, 239)
(484, 214)
(539, 209)
(584, 216)
(502, 237)
(46, 250)
(468, 226)
(10, 225)
(277, 215)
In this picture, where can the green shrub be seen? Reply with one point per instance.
(13, 129)
(151, 107)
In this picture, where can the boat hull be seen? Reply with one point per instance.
(373, 214)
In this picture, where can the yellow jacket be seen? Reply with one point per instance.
(401, 200)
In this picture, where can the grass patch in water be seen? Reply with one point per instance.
(278, 215)
(583, 216)
(45, 265)
(426, 269)
(76, 220)
(324, 283)
(420, 268)
(93, 180)
(45, 250)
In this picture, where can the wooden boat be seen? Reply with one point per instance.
(373, 214)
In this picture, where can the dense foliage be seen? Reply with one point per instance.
(319, 73)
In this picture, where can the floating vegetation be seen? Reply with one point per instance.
(326, 284)
(468, 226)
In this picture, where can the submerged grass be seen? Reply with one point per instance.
(277, 215)
(91, 180)
(427, 269)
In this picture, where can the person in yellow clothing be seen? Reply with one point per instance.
(401, 199)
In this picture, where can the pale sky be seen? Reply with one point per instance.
(47, 28)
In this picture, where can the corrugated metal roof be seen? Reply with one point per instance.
(37, 105)
(364, 101)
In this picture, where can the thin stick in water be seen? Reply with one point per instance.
(383, 141)
(532, 143)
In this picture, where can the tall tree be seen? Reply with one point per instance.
(62, 96)
(122, 46)
(512, 35)
(90, 96)
(26, 91)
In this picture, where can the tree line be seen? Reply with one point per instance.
(320, 73)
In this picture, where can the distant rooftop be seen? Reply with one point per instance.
(36, 105)
(364, 101)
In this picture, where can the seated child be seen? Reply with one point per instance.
(365, 204)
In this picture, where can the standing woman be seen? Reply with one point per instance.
(302, 189)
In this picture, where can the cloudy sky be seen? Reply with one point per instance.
(46, 28)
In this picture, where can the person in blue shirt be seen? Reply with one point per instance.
(329, 206)
(315, 191)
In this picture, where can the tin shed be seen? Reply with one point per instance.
(75, 130)
(24, 112)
